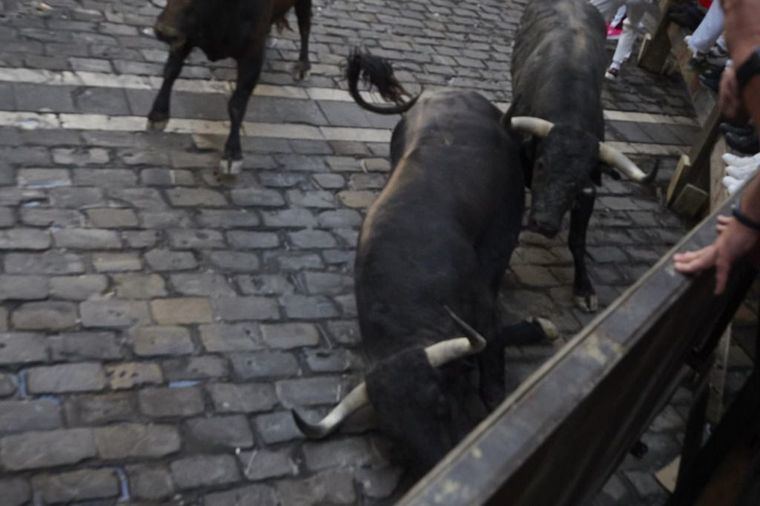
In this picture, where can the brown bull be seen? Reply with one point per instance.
(229, 29)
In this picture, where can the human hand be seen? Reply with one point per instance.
(734, 242)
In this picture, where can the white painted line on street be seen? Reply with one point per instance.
(294, 131)
(135, 82)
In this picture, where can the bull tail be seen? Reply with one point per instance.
(376, 72)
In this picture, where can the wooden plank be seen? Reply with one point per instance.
(655, 49)
(557, 438)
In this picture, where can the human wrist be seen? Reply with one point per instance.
(744, 219)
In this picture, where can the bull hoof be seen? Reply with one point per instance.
(301, 71)
(587, 303)
(229, 168)
(157, 126)
(547, 327)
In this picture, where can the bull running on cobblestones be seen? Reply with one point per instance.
(439, 236)
(558, 66)
(236, 29)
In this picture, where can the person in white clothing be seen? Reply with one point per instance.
(632, 27)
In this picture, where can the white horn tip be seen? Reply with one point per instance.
(308, 429)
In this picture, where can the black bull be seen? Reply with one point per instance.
(558, 66)
(225, 29)
(439, 236)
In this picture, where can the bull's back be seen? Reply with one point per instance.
(558, 59)
(458, 171)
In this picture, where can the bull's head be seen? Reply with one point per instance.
(566, 160)
(436, 355)
(175, 22)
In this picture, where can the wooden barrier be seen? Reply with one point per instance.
(557, 439)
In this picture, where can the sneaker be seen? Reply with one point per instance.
(612, 73)
(613, 32)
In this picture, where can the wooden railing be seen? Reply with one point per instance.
(557, 439)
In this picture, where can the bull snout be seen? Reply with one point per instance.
(547, 228)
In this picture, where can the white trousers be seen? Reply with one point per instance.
(631, 27)
(708, 31)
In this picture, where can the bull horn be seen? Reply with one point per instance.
(619, 161)
(352, 402)
(443, 352)
(529, 124)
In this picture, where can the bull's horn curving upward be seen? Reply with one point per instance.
(618, 160)
(355, 399)
(536, 126)
(609, 155)
(379, 73)
(438, 354)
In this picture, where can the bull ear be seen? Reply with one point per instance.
(357, 398)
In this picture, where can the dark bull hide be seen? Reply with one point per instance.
(558, 67)
(225, 29)
(439, 236)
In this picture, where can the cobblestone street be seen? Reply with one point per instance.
(158, 325)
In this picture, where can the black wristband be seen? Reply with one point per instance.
(744, 219)
(748, 69)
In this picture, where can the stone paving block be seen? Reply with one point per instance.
(166, 260)
(26, 415)
(87, 239)
(23, 287)
(79, 288)
(7, 385)
(18, 238)
(162, 340)
(252, 240)
(261, 495)
(76, 346)
(131, 374)
(196, 239)
(245, 308)
(170, 402)
(290, 335)
(35, 450)
(110, 101)
(113, 313)
(336, 360)
(289, 218)
(204, 470)
(139, 286)
(231, 337)
(77, 485)
(308, 307)
(258, 197)
(261, 464)
(132, 440)
(36, 97)
(206, 283)
(112, 218)
(337, 453)
(218, 433)
(65, 378)
(195, 197)
(340, 218)
(181, 310)
(309, 239)
(52, 217)
(22, 347)
(310, 391)
(193, 369)
(223, 219)
(151, 483)
(329, 487)
(244, 398)
(166, 177)
(44, 316)
(42, 178)
(264, 284)
(264, 364)
(116, 262)
(15, 491)
(277, 427)
(101, 409)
